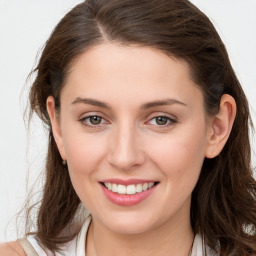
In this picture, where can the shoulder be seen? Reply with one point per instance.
(11, 249)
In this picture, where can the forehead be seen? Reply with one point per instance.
(130, 72)
(129, 58)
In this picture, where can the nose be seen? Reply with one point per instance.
(126, 149)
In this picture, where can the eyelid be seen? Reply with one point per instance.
(172, 119)
(87, 115)
(92, 113)
(163, 114)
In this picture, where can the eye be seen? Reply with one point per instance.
(93, 120)
(162, 121)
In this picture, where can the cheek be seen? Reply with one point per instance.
(180, 155)
(84, 153)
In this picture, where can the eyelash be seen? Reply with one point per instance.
(87, 121)
(169, 121)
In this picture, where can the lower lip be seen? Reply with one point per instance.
(127, 200)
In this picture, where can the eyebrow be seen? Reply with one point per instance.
(147, 105)
(162, 103)
(91, 102)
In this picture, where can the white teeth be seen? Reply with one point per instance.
(109, 186)
(150, 184)
(121, 189)
(139, 188)
(145, 186)
(130, 189)
(114, 188)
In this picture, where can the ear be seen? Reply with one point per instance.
(55, 123)
(220, 126)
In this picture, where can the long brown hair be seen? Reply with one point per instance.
(223, 207)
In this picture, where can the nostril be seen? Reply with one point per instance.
(126, 160)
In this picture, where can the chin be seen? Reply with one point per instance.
(130, 227)
(130, 223)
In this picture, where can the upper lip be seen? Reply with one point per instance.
(127, 182)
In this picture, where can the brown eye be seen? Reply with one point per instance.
(162, 120)
(95, 120)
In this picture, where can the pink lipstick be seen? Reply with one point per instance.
(128, 192)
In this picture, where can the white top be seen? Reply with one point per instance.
(77, 246)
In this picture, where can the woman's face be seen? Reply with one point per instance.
(132, 120)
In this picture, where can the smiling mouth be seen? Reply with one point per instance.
(129, 189)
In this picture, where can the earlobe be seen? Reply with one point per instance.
(220, 126)
(55, 123)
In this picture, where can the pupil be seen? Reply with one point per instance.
(95, 120)
(161, 120)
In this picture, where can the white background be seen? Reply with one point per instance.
(24, 27)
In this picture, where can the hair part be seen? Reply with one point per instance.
(223, 201)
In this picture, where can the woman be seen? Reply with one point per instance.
(148, 129)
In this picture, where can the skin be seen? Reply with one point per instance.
(129, 143)
(11, 249)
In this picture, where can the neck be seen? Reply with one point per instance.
(172, 238)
